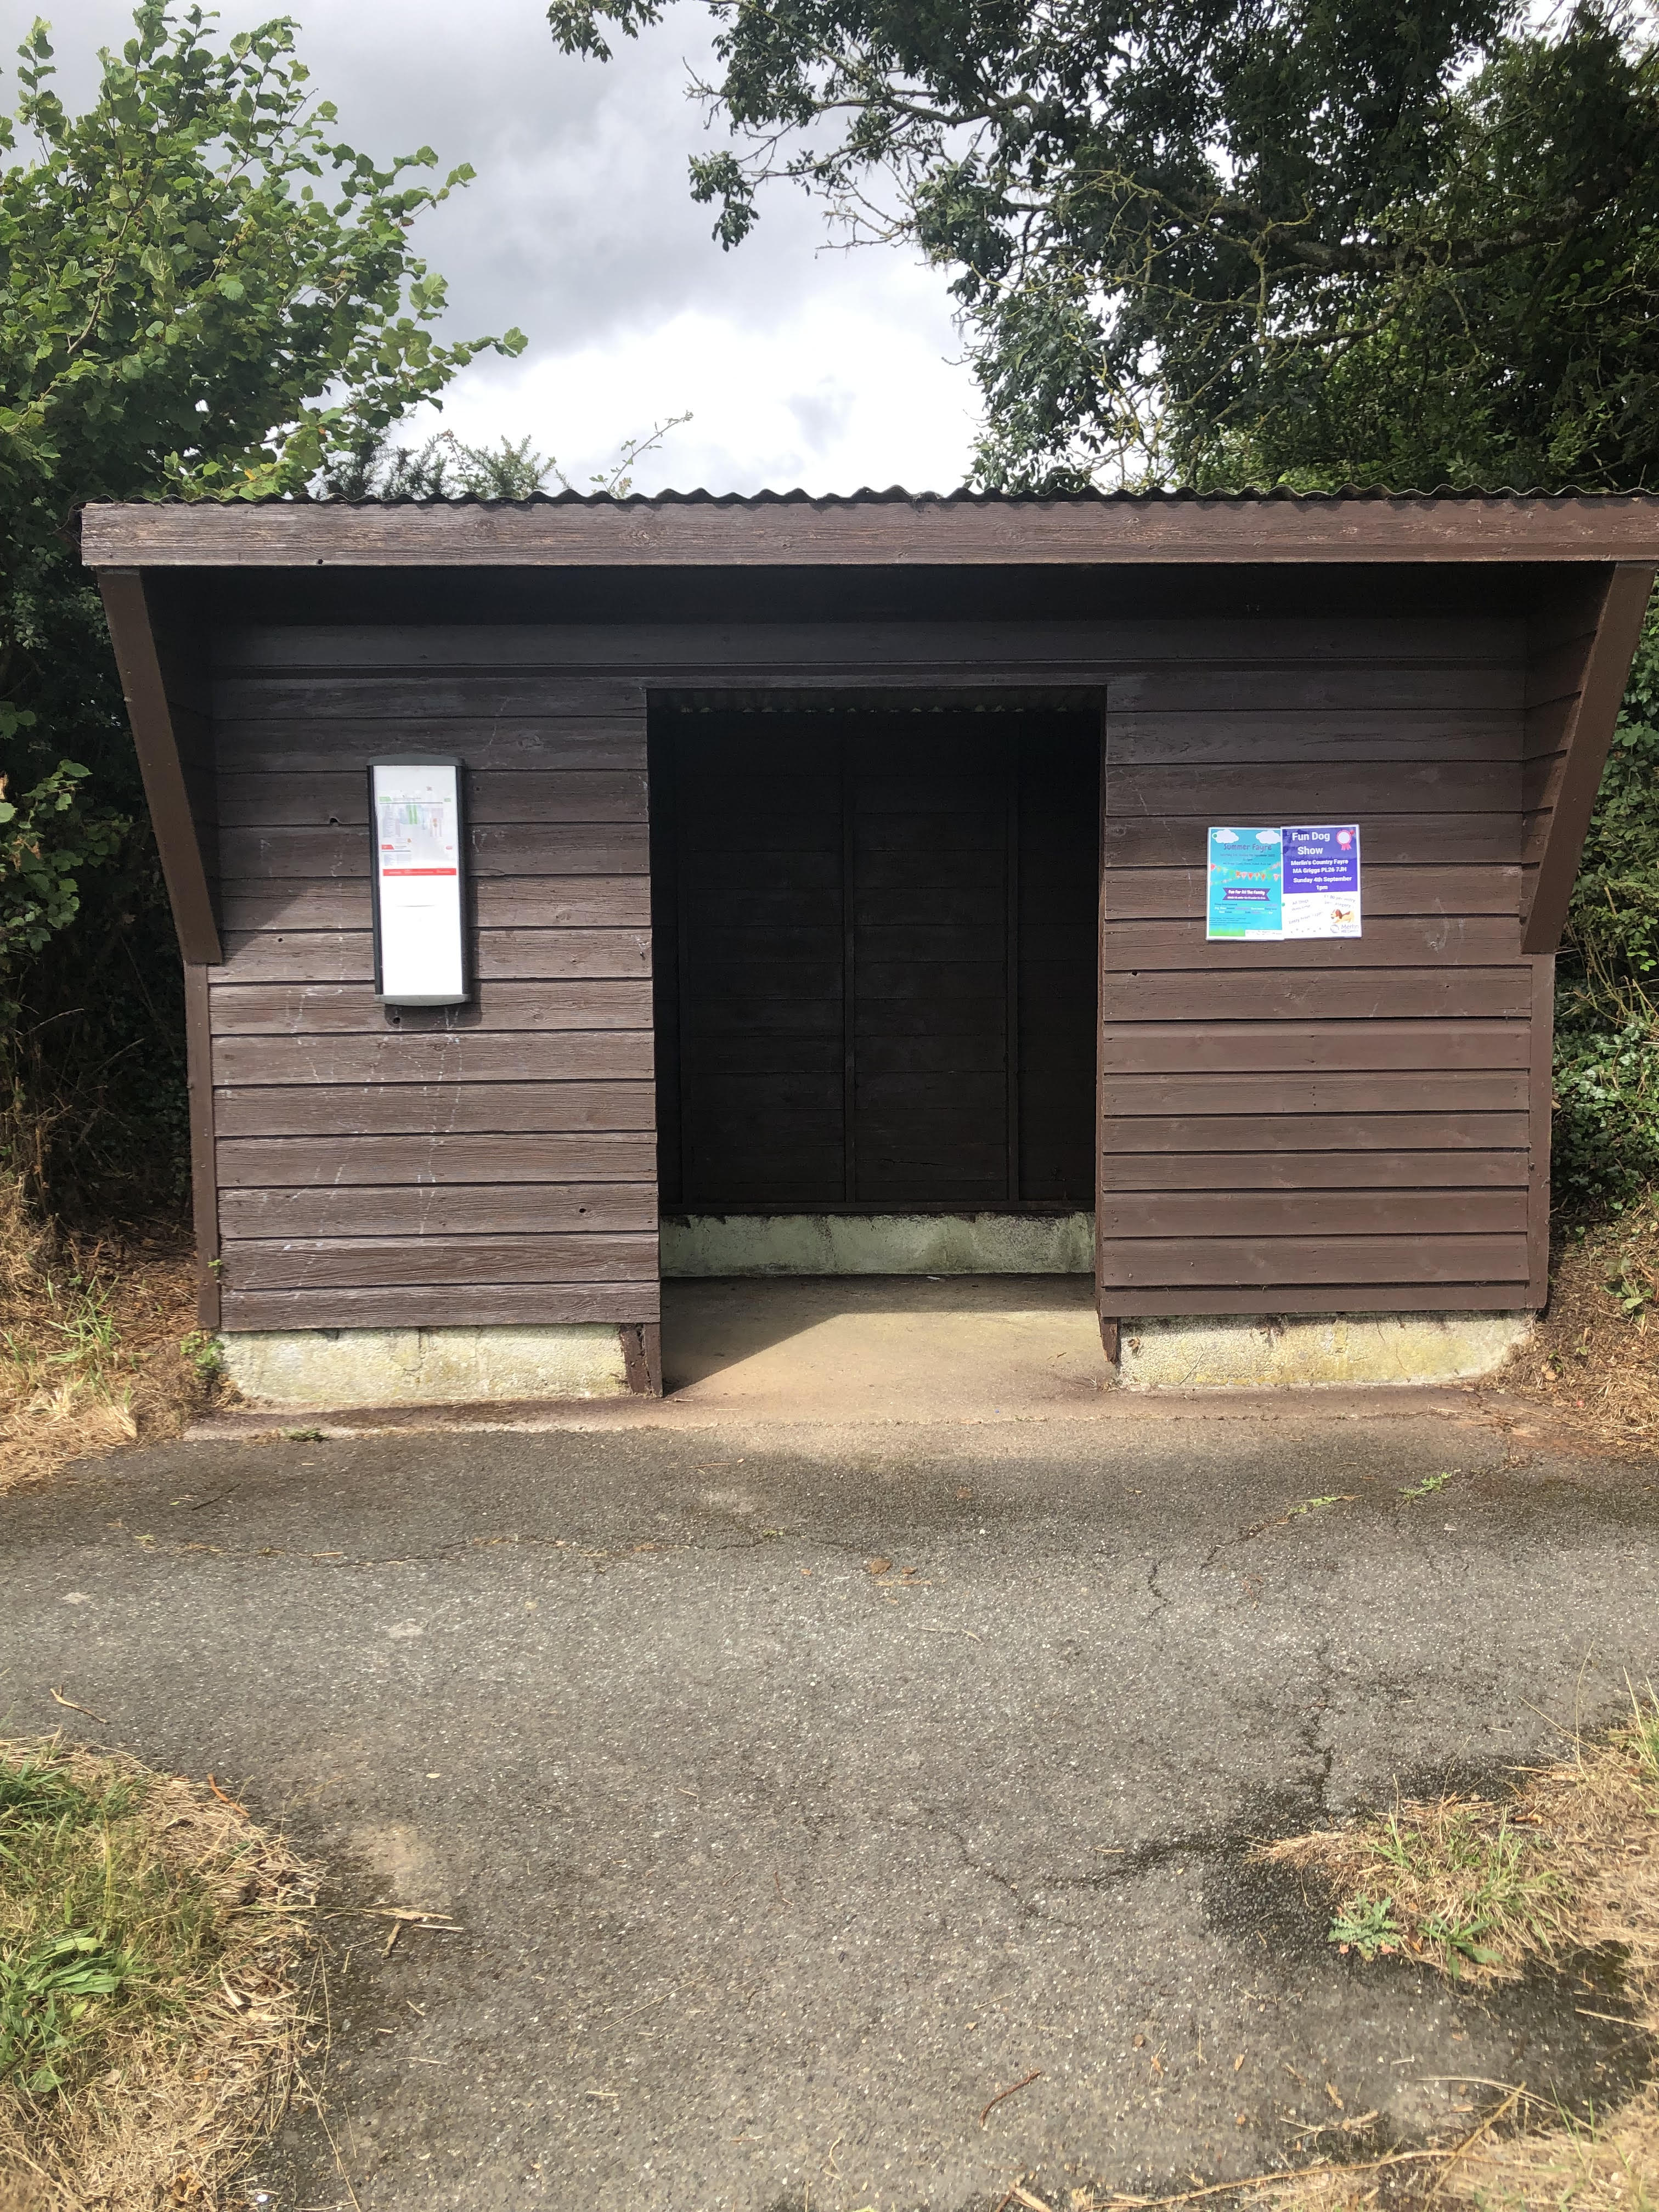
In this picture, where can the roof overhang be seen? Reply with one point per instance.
(885, 530)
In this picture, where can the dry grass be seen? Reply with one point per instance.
(1595, 1357)
(155, 1964)
(1482, 1889)
(99, 1346)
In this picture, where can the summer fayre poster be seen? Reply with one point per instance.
(1246, 885)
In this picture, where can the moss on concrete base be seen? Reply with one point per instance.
(424, 1366)
(879, 1244)
(1322, 1351)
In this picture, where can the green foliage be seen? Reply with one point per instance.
(99, 1935)
(1606, 1153)
(1300, 242)
(445, 467)
(206, 295)
(62, 1946)
(1236, 240)
(1367, 1925)
(46, 838)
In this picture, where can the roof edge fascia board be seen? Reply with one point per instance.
(886, 531)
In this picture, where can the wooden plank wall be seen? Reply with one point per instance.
(489, 1163)
(1286, 1128)
(1314, 1127)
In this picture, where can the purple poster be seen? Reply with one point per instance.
(1320, 896)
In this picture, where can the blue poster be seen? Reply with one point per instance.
(1321, 880)
(1245, 887)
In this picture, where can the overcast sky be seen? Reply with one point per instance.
(801, 364)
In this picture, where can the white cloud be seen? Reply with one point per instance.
(801, 365)
(841, 391)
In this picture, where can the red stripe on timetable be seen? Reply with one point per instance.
(417, 871)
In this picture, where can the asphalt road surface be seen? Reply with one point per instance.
(800, 1792)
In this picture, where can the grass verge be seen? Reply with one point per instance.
(99, 1346)
(1481, 1889)
(155, 1969)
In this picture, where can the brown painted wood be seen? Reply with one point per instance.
(1555, 672)
(1355, 737)
(519, 956)
(1175, 892)
(370, 1262)
(1545, 728)
(1321, 1048)
(1315, 1132)
(203, 1171)
(1454, 940)
(438, 1108)
(913, 529)
(1540, 779)
(531, 902)
(585, 744)
(1247, 992)
(444, 1306)
(1195, 685)
(1607, 670)
(714, 654)
(1538, 1147)
(1454, 1091)
(350, 1009)
(516, 708)
(1292, 1168)
(167, 790)
(642, 1343)
(493, 797)
(1279, 1263)
(564, 849)
(1361, 1214)
(300, 1162)
(1267, 791)
(1386, 840)
(1129, 1305)
(439, 1210)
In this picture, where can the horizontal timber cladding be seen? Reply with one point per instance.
(493, 1162)
(1321, 1126)
(1315, 1127)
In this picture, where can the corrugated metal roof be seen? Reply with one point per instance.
(964, 495)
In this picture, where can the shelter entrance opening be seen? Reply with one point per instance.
(876, 965)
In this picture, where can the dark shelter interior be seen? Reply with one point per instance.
(876, 971)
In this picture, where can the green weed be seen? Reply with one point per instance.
(1429, 1484)
(1367, 1924)
(205, 1353)
(88, 1327)
(94, 1924)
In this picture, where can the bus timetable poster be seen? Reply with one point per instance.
(420, 950)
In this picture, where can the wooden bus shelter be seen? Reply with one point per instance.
(844, 860)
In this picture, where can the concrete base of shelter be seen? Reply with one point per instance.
(343, 1367)
(730, 1245)
(1314, 1351)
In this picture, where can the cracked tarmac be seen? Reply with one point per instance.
(773, 1871)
